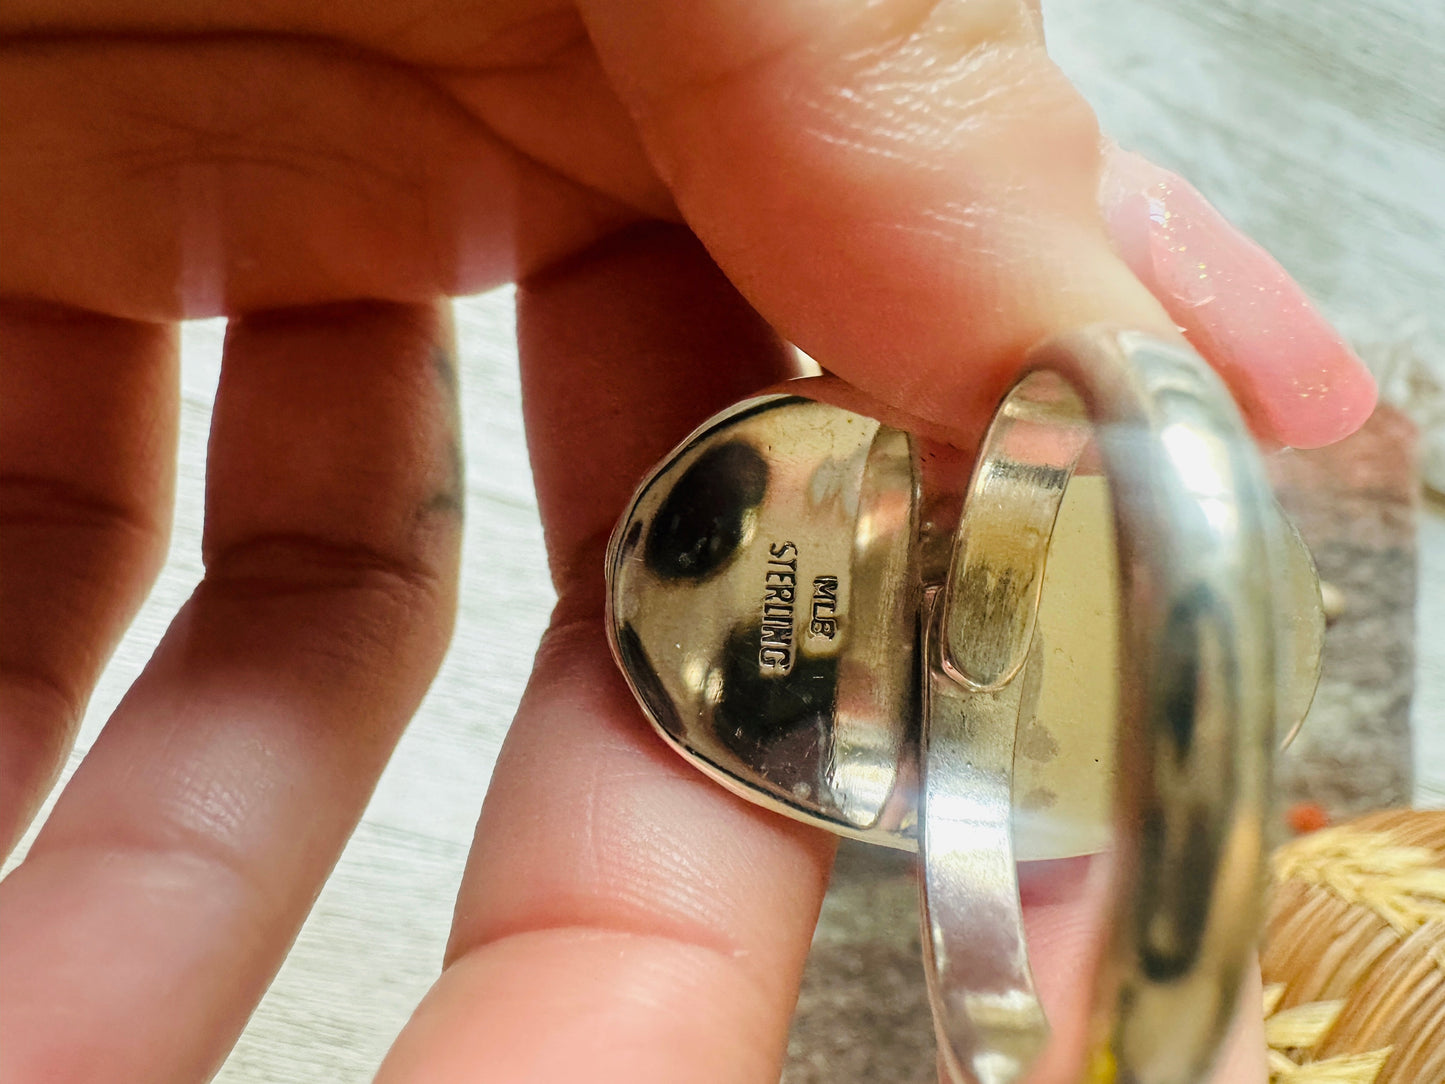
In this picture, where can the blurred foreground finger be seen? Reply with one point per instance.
(163, 892)
(87, 450)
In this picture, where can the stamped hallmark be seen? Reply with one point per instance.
(780, 588)
(825, 607)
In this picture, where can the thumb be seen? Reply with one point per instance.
(910, 192)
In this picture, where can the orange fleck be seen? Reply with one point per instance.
(1305, 817)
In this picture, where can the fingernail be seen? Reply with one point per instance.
(1295, 377)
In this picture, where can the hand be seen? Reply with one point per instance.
(908, 194)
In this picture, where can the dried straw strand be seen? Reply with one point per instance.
(1355, 954)
(1400, 884)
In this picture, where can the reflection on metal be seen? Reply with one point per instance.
(990, 1025)
(785, 668)
(828, 616)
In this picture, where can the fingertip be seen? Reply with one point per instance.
(1295, 377)
(1319, 391)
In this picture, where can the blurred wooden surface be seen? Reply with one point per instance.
(1318, 127)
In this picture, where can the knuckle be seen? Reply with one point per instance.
(30, 503)
(346, 608)
(288, 564)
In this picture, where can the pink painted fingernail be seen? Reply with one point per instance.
(1294, 376)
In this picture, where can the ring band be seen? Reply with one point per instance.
(800, 620)
(1199, 555)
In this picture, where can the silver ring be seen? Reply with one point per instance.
(1201, 559)
(811, 615)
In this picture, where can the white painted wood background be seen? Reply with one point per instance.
(1319, 126)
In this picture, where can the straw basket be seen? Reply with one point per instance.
(1354, 953)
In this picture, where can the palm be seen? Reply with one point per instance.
(268, 169)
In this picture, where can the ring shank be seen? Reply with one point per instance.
(1195, 527)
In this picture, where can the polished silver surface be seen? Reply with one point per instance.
(763, 604)
(1201, 559)
(991, 599)
(983, 629)
(1099, 665)
(989, 1021)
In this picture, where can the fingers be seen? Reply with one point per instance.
(909, 192)
(87, 447)
(622, 918)
(1293, 374)
(162, 174)
(177, 866)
